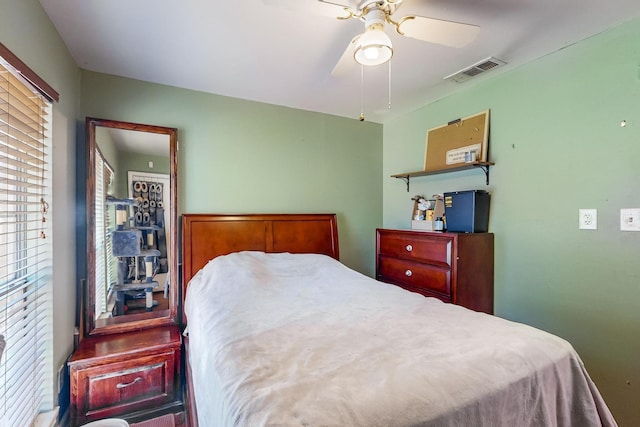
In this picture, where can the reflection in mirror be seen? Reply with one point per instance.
(131, 208)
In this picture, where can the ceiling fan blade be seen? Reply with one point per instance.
(346, 61)
(447, 33)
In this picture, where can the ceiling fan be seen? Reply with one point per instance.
(374, 47)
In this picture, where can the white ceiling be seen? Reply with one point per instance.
(263, 51)
(132, 141)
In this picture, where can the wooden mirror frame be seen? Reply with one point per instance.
(132, 321)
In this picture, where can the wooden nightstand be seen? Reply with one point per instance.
(132, 375)
(454, 267)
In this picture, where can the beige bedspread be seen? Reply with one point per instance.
(301, 340)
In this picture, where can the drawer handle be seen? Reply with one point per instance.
(409, 248)
(408, 273)
(125, 385)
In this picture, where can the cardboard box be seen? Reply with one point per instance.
(422, 225)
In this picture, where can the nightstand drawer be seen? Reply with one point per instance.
(421, 247)
(118, 388)
(133, 375)
(415, 276)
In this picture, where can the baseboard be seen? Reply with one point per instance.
(47, 419)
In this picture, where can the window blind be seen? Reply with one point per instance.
(105, 274)
(26, 372)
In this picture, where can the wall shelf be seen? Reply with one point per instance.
(406, 177)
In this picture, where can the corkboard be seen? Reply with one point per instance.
(447, 144)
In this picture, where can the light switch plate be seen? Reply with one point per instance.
(588, 219)
(630, 219)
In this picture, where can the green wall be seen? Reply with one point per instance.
(109, 152)
(239, 156)
(138, 162)
(558, 145)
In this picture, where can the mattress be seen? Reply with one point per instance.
(302, 340)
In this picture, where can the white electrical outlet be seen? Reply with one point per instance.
(630, 219)
(588, 219)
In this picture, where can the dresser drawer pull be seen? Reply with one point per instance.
(408, 273)
(125, 385)
(409, 248)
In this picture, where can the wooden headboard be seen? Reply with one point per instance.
(206, 236)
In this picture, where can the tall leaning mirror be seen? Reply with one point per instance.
(132, 280)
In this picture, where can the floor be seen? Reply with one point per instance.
(170, 420)
(163, 303)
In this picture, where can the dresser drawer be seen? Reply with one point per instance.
(421, 247)
(118, 388)
(422, 278)
(454, 267)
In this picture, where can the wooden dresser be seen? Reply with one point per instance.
(454, 267)
(126, 374)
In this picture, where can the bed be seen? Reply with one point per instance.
(280, 333)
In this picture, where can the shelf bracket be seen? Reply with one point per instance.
(485, 168)
(406, 179)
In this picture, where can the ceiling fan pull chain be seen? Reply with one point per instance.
(389, 106)
(361, 93)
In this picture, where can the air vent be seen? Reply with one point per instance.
(474, 70)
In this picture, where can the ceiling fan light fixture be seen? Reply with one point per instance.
(373, 47)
